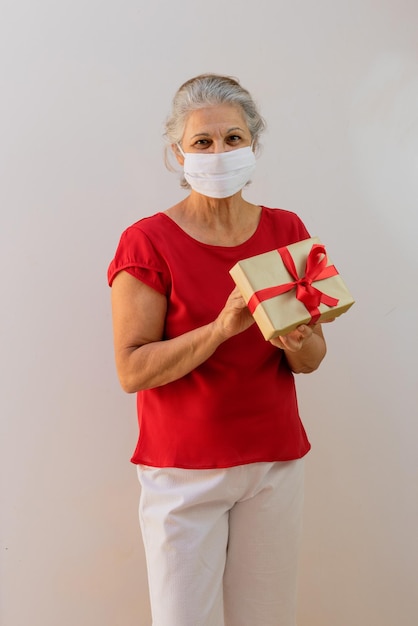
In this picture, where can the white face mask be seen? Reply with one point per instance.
(219, 174)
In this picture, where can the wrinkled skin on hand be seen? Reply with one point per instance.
(235, 316)
(294, 340)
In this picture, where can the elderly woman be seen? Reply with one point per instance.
(221, 444)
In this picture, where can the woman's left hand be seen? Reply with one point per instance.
(304, 348)
(295, 340)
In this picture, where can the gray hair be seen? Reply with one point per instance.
(209, 90)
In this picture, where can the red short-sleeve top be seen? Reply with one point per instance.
(240, 405)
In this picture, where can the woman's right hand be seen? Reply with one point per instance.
(235, 317)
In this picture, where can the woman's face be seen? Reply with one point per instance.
(218, 128)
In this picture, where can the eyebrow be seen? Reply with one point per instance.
(208, 134)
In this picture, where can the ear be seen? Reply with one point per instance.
(177, 154)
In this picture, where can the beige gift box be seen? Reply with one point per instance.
(309, 275)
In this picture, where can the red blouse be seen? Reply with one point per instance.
(240, 405)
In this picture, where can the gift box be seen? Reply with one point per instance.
(294, 285)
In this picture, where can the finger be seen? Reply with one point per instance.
(277, 343)
(305, 330)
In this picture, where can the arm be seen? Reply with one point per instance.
(304, 348)
(143, 359)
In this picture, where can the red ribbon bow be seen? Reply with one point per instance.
(316, 269)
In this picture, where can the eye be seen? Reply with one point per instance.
(234, 138)
(202, 143)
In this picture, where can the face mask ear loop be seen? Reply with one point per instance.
(181, 150)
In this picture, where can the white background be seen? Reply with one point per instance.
(85, 88)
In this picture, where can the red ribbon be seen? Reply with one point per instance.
(316, 269)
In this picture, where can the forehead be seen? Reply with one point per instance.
(219, 117)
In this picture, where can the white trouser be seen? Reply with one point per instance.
(222, 544)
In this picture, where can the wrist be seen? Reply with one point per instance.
(218, 332)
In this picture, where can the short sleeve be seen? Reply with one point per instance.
(303, 231)
(136, 255)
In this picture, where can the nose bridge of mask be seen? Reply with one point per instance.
(178, 146)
